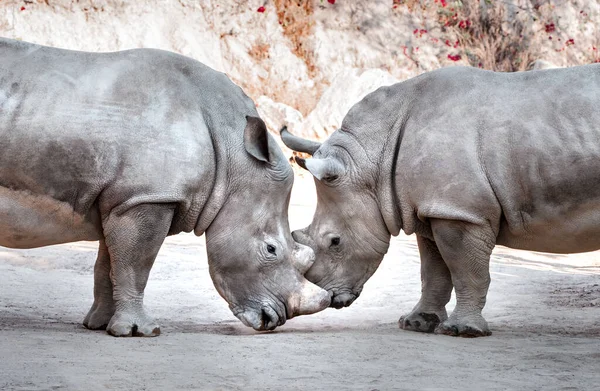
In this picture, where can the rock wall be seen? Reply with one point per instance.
(305, 62)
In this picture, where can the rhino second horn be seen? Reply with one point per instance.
(298, 144)
(328, 168)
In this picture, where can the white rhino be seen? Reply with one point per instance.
(465, 159)
(129, 147)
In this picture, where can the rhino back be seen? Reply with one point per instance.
(518, 149)
(101, 131)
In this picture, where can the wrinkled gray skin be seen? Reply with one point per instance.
(129, 147)
(465, 159)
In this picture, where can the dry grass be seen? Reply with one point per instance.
(489, 38)
(410, 4)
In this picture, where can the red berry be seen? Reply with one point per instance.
(261, 9)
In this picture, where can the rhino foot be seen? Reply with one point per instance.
(471, 327)
(421, 321)
(127, 325)
(99, 316)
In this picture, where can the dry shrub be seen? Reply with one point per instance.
(295, 16)
(490, 39)
(410, 4)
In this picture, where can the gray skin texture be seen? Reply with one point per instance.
(129, 147)
(465, 159)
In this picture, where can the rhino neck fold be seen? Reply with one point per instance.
(216, 200)
(389, 204)
(220, 186)
(378, 123)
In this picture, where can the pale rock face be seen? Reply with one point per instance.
(543, 64)
(274, 114)
(347, 38)
(346, 89)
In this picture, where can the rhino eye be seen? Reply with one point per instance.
(271, 249)
(331, 179)
(335, 241)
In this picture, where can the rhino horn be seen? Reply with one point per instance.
(328, 168)
(298, 144)
(309, 300)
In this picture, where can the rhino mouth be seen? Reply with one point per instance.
(342, 300)
(263, 319)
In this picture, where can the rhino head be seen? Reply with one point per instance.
(348, 232)
(254, 262)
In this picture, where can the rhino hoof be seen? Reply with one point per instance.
(119, 326)
(91, 325)
(98, 317)
(467, 330)
(127, 330)
(423, 322)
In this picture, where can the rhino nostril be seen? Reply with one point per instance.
(263, 319)
(268, 321)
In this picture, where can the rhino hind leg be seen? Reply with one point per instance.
(133, 239)
(466, 250)
(104, 307)
(436, 289)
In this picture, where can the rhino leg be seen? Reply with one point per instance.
(104, 307)
(133, 239)
(466, 249)
(436, 289)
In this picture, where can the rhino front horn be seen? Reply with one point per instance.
(298, 144)
(328, 168)
(311, 299)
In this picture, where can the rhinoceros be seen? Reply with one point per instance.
(128, 147)
(465, 159)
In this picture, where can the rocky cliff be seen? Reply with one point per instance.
(305, 62)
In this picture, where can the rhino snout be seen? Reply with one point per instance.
(309, 300)
(343, 300)
(266, 319)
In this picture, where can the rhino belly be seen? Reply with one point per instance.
(572, 231)
(28, 220)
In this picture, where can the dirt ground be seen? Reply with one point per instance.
(544, 311)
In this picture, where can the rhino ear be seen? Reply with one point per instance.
(327, 169)
(256, 139)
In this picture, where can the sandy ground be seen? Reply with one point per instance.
(544, 311)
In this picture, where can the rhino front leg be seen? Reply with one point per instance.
(436, 289)
(466, 250)
(104, 307)
(133, 239)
